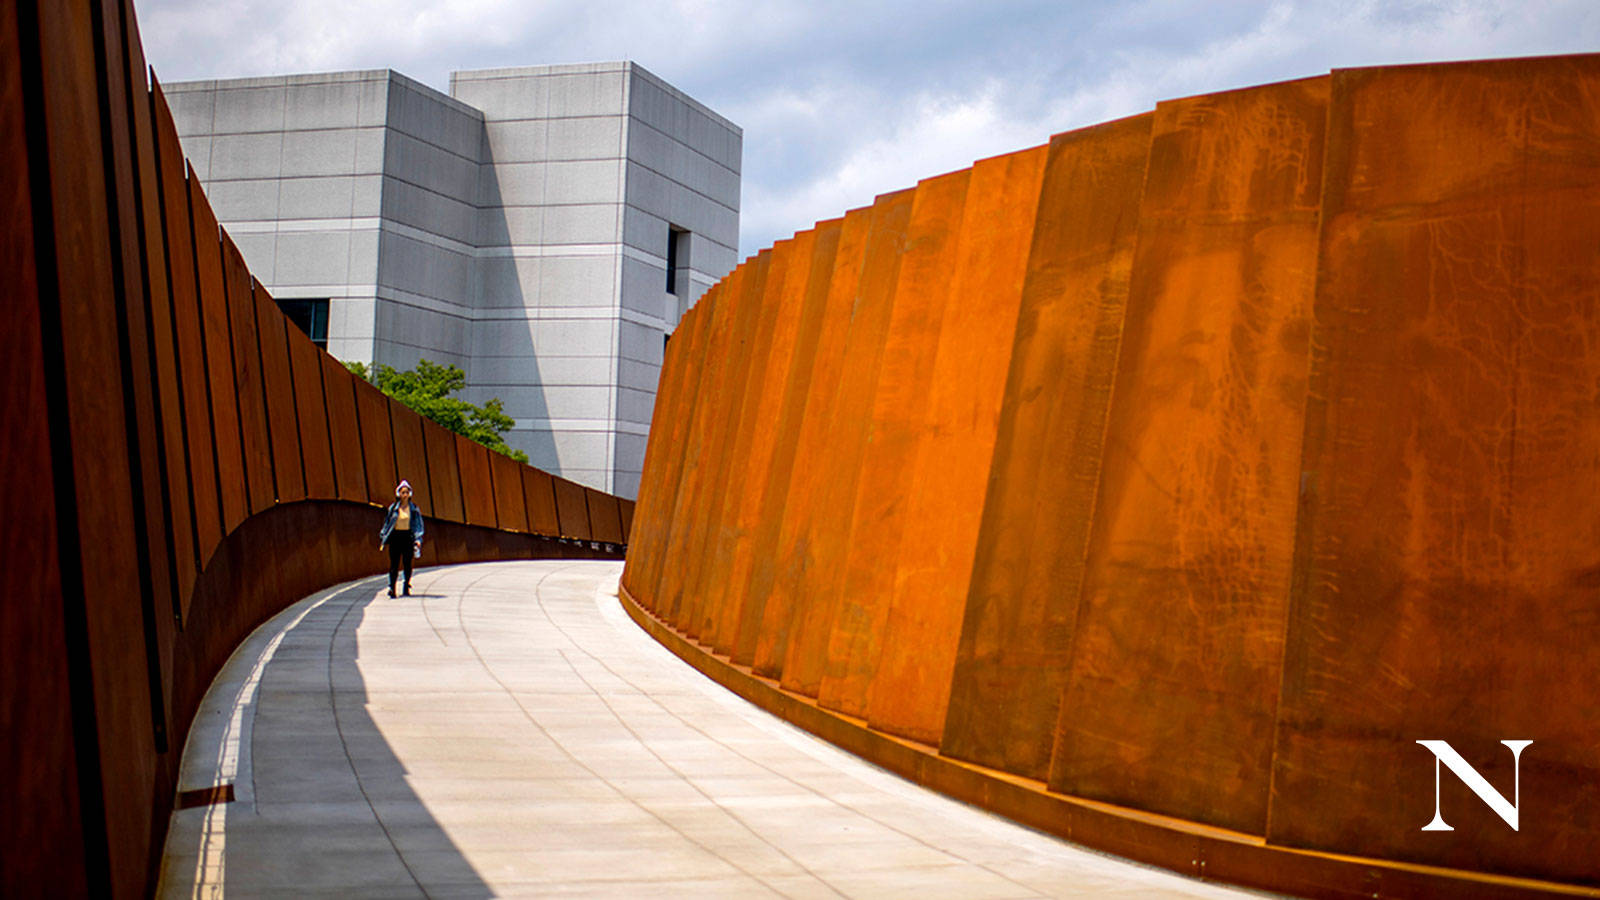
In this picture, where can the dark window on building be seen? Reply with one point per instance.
(310, 315)
(677, 256)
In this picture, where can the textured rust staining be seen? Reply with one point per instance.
(1012, 655)
(944, 493)
(777, 577)
(1172, 688)
(847, 422)
(893, 432)
(1200, 464)
(1447, 543)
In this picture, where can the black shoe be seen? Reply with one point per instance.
(408, 589)
(391, 590)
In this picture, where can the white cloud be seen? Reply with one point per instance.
(842, 101)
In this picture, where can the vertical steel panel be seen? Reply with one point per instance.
(477, 488)
(111, 692)
(753, 455)
(828, 534)
(697, 452)
(943, 499)
(1447, 545)
(42, 831)
(223, 399)
(1178, 645)
(248, 385)
(198, 446)
(756, 565)
(717, 454)
(377, 444)
(311, 411)
(692, 340)
(410, 456)
(625, 514)
(666, 414)
(743, 384)
(162, 339)
(444, 471)
(780, 581)
(895, 412)
(288, 470)
(511, 509)
(344, 430)
(605, 520)
(539, 493)
(572, 509)
(1017, 629)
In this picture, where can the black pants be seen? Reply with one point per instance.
(401, 547)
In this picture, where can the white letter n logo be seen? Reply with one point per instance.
(1444, 753)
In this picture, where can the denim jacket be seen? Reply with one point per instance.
(394, 513)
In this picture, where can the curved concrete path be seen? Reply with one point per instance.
(507, 730)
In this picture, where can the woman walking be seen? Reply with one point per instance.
(402, 534)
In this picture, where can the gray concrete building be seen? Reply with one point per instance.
(543, 228)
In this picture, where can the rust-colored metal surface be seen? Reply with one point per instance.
(680, 539)
(1167, 485)
(444, 471)
(893, 436)
(40, 774)
(750, 452)
(538, 492)
(344, 429)
(178, 525)
(377, 452)
(218, 354)
(1446, 580)
(605, 519)
(477, 485)
(196, 463)
(410, 457)
(283, 422)
(311, 413)
(943, 497)
(1194, 523)
(685, 355)
(787, 379)
(1011, 660)
(511, 510)
(719, 459)
(776, 573)
(827, 536)
(198, 449)
(248, 387)
(653, 482)
(572, 510)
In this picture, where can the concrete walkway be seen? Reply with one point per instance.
(507, 730)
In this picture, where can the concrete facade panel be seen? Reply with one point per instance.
(528, 161)
(311, 258)
(316, 197)
(257, 109)
(327, 105)
(245, 200)
(580, 223)
(235, 156)
(575, 280)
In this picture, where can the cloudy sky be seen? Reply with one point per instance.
(840, 101)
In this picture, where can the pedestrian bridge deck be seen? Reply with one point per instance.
(507, 730)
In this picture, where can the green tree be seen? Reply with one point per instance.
(427, 389)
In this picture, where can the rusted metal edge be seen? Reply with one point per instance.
(1188, 848)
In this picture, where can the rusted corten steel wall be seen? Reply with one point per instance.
(1162, 486)
(179, 461)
